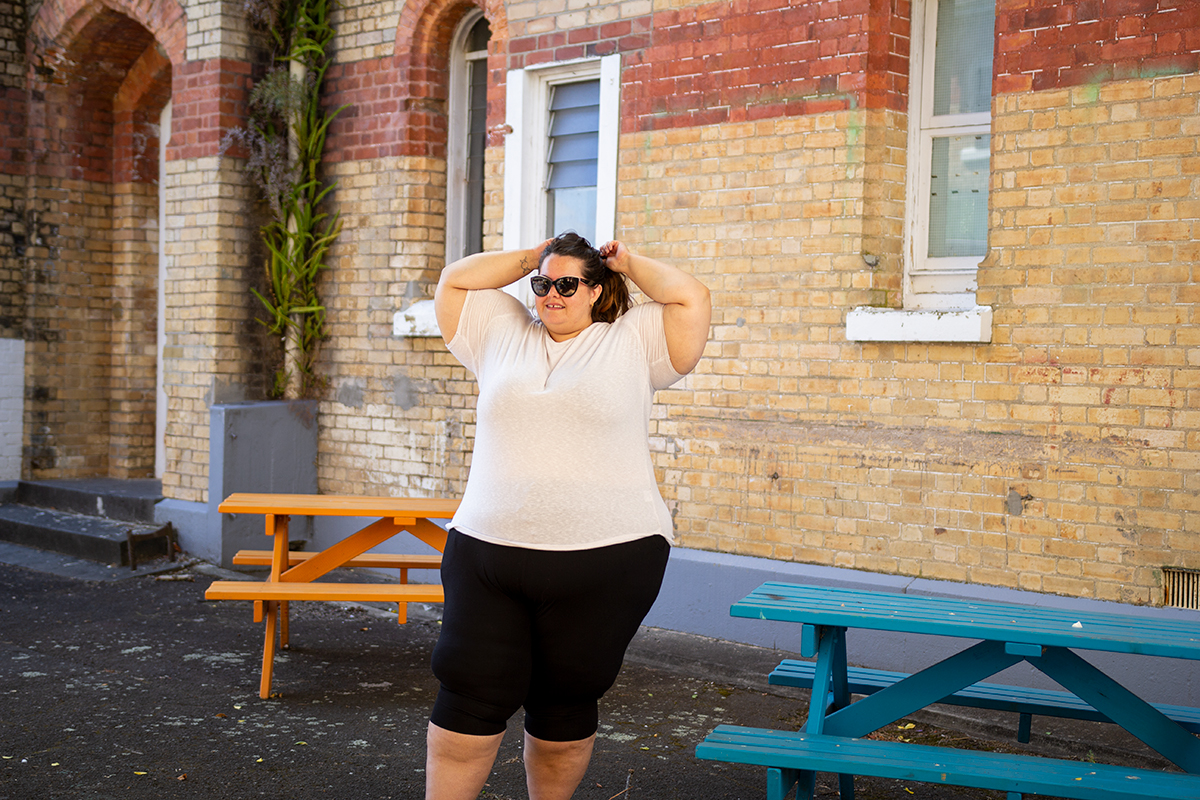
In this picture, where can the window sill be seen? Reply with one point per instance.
(867, 324)
(415, 321)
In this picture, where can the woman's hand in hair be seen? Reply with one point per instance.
(616, 256)
(493, 270)
(687, 305)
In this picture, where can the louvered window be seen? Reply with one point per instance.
(571, 160)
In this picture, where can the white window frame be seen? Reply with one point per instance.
(938, 293)
(456, 139)
(527, 111)
(949, 283)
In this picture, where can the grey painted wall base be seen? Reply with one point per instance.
(252, 447)
(191, 526)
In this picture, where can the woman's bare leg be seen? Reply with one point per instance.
(457, 765)
(554, 769)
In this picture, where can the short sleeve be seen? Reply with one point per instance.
(646, 320)
(484, 312)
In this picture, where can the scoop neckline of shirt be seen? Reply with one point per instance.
(565, 342)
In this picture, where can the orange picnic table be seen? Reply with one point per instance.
(293, 573)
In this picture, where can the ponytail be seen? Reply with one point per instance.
(613, 300)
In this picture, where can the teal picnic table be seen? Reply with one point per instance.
(1004, 634)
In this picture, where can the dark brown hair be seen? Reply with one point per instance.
(614, 299)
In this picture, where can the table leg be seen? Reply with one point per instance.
(268, 662)
(277, 527)
(780, 781)
(920, 690)
(283, 625)
(830, 692)
(1121, 706)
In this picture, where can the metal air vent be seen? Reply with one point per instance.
(1181, 588)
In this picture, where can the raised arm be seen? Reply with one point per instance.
(687, 306)
(479, 271)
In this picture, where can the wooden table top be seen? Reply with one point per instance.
(333, 505)
(1008, 622)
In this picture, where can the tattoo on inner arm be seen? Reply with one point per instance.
(525, 266)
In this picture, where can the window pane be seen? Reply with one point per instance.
(575, 95)
(962, 72)
(573, 143)
(572, 210)
(478, 38)
(476, 145)
(573, 147)
(958, 188)
(568, 174)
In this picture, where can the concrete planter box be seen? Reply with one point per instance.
(253, 447)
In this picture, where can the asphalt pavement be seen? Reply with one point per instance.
(130, 685)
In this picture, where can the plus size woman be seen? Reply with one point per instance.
(559, 546)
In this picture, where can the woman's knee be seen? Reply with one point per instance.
(563, 722)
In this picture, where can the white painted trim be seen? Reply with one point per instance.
(514, 158)
(527, 94)
(868, 324)
(606, 164)
(456, 139)
(954, 275)
(416, 320)
(160, 391)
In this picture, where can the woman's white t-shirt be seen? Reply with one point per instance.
(562, 453)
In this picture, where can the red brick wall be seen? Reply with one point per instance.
(398, 106)
(208, 98)
(136, 110)
(62, 21)
(1053, 45)
(730, 62)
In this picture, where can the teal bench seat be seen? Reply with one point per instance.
(998, 697)
(787, 754)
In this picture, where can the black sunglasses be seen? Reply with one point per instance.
(565, 286)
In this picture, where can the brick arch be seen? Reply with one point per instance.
(58, 23)
(423, 37)
(101, 71)
(137, 106)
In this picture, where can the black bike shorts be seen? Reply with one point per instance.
(543, 629)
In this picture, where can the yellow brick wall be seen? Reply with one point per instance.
(364, 29)
(68, 287)
(1059, 458)
(213, 350)
(532, 17)
(13, 239)
(134, 330)
(398, 413)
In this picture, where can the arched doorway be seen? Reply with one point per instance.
(92, 288)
